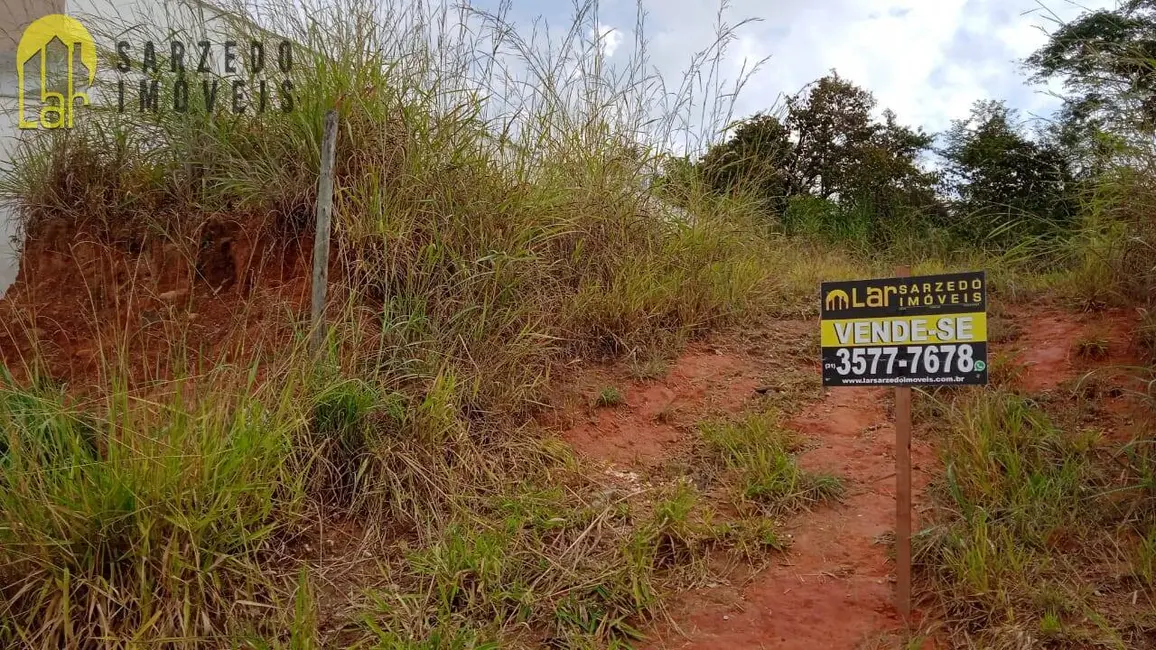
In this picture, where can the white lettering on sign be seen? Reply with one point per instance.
(843, 332)
(913, 330)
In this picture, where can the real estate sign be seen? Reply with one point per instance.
(913, 331)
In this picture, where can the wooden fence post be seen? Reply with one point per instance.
(321, 237)
(903, 491)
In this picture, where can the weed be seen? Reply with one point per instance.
(155, 509)
(676, 535)
(491, 223)
(757, 452)
(1092, 348)
(1144, 563)
(650, 368)
(609, 396)
(1146, 335)
(754, 536)
(1006, 370)
(581, 575)
(1050, 625)
(1026, 509)
(1002, 329)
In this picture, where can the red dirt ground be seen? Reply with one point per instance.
(833, 589)
(1049, 345)
(653, 421)
(76, 301)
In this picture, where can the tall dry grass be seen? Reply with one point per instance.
(492, 220)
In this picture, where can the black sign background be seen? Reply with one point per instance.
(901, 372)
(860, 287)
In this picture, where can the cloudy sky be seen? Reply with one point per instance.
(928, 60)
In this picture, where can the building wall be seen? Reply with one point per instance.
(102, 17)
(15, 15)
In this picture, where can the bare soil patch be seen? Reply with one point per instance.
(78, 301)
(655, 422)
(833, 588)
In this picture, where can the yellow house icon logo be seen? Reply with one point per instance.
(56, 108)
(837, 299)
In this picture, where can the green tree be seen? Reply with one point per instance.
(1106, 60)
(758, 159)
(833, 130)
(828, 156)
(1004, 185)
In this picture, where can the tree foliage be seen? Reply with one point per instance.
(826, 145)
(1106, 60)
(1004, 185)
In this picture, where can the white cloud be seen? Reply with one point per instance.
(928, 60)
(609, 39)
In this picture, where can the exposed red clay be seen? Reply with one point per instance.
(833, 588)
(77, 303)
(653, 421)
(1048, 348)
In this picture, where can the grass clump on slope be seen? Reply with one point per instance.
(1042, 529)
(479, 242)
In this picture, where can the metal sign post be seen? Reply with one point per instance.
(905, 331)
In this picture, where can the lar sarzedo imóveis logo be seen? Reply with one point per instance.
(56, 109)
(240, 77)
(837, 299)
(151, 77)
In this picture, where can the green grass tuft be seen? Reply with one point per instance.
(757, 452)
(609, 397)
(1028, 513)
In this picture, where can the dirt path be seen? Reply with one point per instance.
(833, 588)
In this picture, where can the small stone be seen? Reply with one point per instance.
(726, 618)
(174, 295)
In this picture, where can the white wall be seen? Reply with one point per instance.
(9, 255)
(158, 17)
(12, 23)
